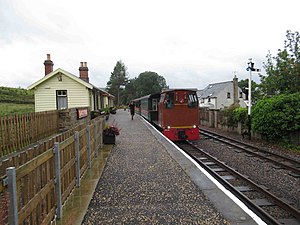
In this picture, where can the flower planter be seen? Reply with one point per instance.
(108, 139)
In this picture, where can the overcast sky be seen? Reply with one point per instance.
(191, 43)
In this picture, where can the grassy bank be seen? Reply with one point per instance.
(12, 108)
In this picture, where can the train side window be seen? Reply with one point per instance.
(169, 101)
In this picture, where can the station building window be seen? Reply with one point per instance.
(61, 99)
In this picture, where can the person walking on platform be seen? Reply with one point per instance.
(131, 107)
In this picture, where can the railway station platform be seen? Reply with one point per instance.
(148, 180)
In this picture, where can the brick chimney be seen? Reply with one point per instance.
(48, 65)
(84, 71)
(235, 90)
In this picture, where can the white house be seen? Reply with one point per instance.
(60, 89)
(221, 95)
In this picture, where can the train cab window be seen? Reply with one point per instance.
(192, 101)
(169, 101)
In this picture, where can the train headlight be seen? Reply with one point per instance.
(194, 126)
(168, 127)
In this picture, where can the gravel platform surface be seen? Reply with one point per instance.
(142, 184)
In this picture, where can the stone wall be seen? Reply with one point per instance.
(68, 118)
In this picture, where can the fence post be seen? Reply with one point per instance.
(96, 139)
(89, 145)
(77, 158)
(101, 134)
(12, 189)
(58, 179)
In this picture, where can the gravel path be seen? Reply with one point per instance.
(142, 184)
(278, 181)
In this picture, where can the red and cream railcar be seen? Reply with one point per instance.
(174, 111)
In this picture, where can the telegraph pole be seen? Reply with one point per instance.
(250, 68)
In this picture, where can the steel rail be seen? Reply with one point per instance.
(294, 164)
(254, 207)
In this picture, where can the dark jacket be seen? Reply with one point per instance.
(131, 106)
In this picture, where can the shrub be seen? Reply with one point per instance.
(275, 117)
(241, 115)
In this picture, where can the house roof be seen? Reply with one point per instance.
(212, 90)
(57, 71)
(106, 93)
(71, 76)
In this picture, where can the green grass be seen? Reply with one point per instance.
(15, 101)
(12, 108)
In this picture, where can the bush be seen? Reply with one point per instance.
(228, 117)
(275, 117)
(232, 115)
(241, 115)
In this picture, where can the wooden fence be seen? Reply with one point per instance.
(18, 131)
(40, 180)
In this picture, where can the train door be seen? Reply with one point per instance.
(154, 104)
(154, 110)
(161, 109)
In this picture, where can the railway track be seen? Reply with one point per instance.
(269, 207)
(278, 161)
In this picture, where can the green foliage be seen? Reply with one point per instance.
(228, 117)
(148, 83)
(241, 115)
(276, 117)
(255, 90)
(15, 101)
(129, 92)
(118, 78)
(283, 70)
(232, 116)
(16, 95)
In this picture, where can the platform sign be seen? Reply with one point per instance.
(82, 112)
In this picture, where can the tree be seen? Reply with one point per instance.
(129, 92)
(255, 90)
(283, 70)
(118, 78)
(148, 83)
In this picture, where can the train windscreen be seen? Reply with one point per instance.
(192, 100)
(180, 97)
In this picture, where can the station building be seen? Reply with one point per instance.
(59, 89)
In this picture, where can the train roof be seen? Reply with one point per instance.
(179, 89)
(164, 91)
(147, 96)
